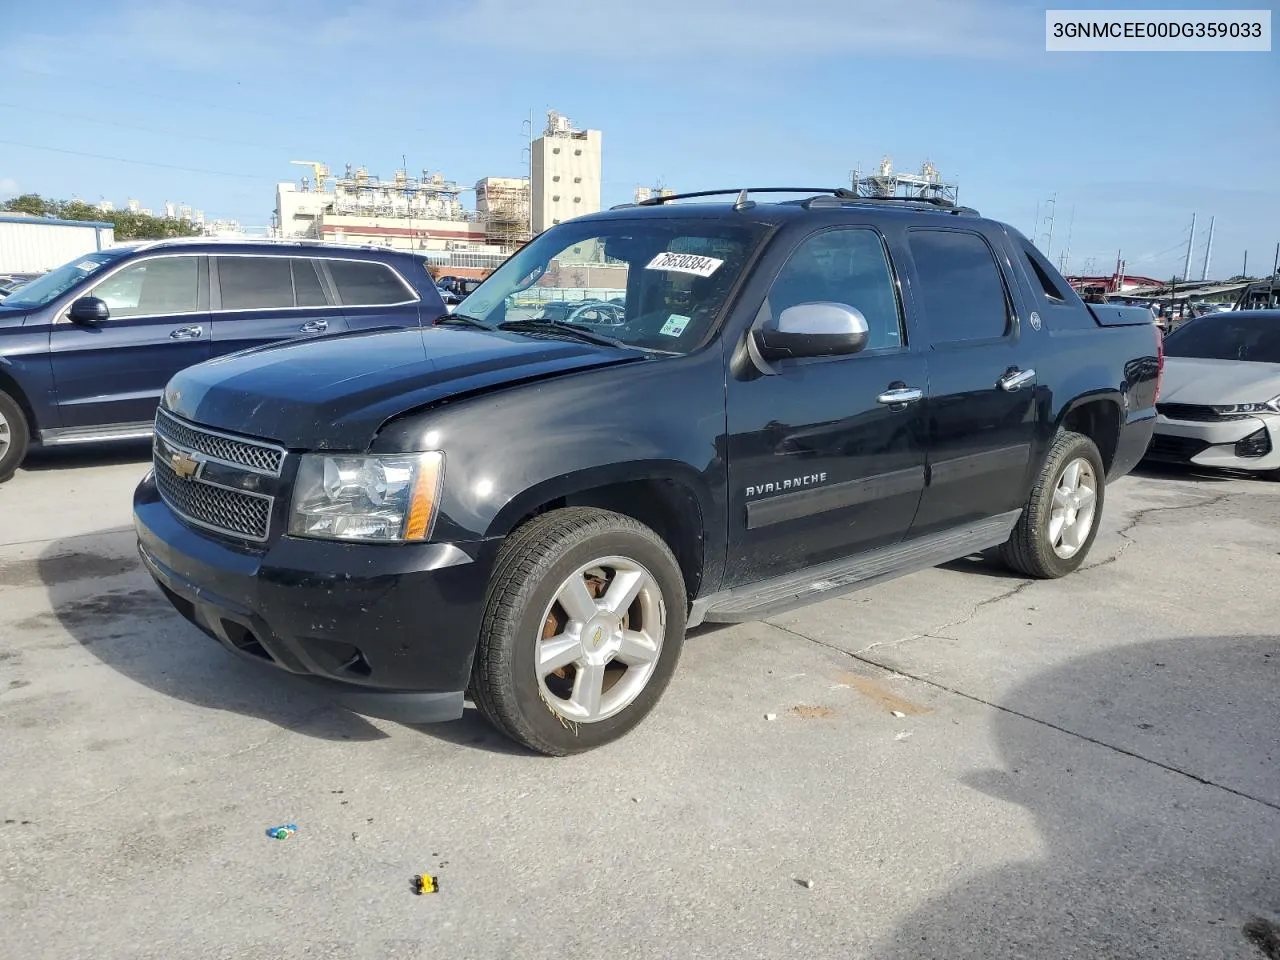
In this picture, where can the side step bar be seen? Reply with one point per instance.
(780, 594)
(58, 436)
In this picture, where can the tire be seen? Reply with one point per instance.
(15, 436)
(525, 618)
(1037, 545)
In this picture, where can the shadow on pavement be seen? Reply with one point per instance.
(104, 599)
(1172, 471)
(78, 455)
(1135, 860)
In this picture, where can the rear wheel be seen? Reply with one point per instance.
(14, 436)
(1060, 521)
(583, 627)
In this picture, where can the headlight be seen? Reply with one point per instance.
(386, 498)
(1271, 406)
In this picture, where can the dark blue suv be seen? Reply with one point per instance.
(86, 349)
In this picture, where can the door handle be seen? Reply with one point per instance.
(900, 395)
(315, 326)
(187, 333)
(1015, 379)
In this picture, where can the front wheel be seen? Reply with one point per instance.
(582, 631)
(14, 436)
(1060, 521)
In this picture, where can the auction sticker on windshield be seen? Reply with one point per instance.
(674, 326)
(685, 263)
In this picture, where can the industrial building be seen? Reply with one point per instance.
(38, 244)
(567, 167)
(426, 213)
(887, 182)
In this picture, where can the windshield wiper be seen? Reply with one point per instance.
(536, 325)
(462, 320)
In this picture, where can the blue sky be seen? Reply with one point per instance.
(699, 93)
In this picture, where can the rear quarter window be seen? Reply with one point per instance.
(367, 284)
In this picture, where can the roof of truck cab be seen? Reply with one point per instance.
(776, 213)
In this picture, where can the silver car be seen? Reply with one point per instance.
(1220, 400)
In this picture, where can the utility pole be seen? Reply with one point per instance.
(529, 150)
(1053, 206)
(1066, 254)
(1186, 266)
(1244, 271)
(1208, 251)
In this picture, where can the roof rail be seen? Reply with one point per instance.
(822, 197)
(741, 193)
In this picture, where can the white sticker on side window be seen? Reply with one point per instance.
(674, 326)
(88, 266)
(685, 263)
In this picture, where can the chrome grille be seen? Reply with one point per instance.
(219, 509)
(217, 481)
(257, 456)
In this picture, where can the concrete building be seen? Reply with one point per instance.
(423, 214)
(567, 167)
(37, 244)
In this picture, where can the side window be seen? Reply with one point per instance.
(960, 286)
(255, 283)
(1044, 275)
(846, 266)
(306, 284)
(366, 284)
(164, 285)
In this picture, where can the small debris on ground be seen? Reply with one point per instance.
(283, 832)
(904, 735)
(813, 713)
(898, 713)
(804, 882)
(425, 883)
(635, 799)
(771, 716)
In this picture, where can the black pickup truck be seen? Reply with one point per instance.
(798, 398)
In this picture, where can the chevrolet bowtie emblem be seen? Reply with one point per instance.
(184, 465)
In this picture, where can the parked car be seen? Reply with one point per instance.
(86, 349)
(532, 513)
(1221, 402)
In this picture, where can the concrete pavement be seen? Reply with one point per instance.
(1083, 768)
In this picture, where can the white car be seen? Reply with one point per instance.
(1220, 398)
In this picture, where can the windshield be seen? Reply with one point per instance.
(55, 283)
(1231, 336)
(656, 284)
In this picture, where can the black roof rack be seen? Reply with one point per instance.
(822, 197)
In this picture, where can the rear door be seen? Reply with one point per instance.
(981, 409)
(113, 373)
(262, 298)
(373, 294)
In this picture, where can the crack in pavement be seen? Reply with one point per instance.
(1134, 521)
(1049, 724)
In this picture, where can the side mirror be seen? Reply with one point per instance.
(89, 310)
(813, 330)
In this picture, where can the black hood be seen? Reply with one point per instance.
(333, 393)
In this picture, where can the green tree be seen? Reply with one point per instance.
(31, 203)
(128, 225)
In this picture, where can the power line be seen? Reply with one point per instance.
(140, 163)
(137, 126)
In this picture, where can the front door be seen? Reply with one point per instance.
(113, 373)
(982, 387)
(262, 299)
(825, 459)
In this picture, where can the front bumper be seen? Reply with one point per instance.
(385, 630)
(1248, 443)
